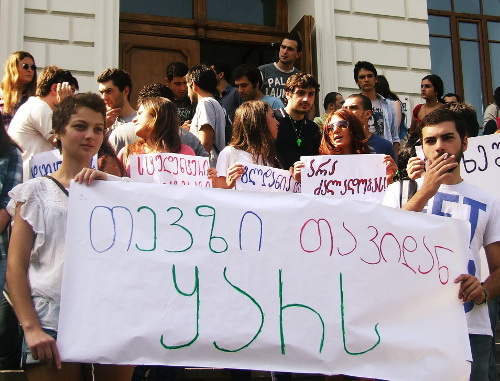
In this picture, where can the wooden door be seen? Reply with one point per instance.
(304, 29)
(146, 58)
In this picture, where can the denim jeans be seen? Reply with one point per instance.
(480, 346)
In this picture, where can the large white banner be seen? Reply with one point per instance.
(360, 177)
(191, 276)
(481, 163)
(170, 168)
(260, 178)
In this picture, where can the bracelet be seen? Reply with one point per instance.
(485, 298)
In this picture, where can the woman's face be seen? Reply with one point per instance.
(143, 123)
(83, 135)
(427, 90)
(26, 70)
(340, 134)
(272, 123)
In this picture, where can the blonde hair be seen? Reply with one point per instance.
(11, 93)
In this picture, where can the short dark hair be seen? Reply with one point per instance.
(294, 37)
(364, 65)
(496, 96)
(119, 77)
(155, 90)
(366, 103)
(441, 115)
(223, 67)
(330, 98)
(437, 82)
(459, 98)
(301, 81)
(70, 105)
(176, 69)
(204, 77)
(250, 71)
(51, 75)
(468, 112)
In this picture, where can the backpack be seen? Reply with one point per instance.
(407, 188)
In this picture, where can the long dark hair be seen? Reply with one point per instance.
(382, 87)
(359, 141)
(251, 134)
(438, 85)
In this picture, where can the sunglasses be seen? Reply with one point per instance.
(342, 124)
(25, 66)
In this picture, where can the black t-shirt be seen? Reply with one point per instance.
(184, 109)
(286, 144)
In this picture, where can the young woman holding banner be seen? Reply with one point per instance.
(254, 130)
(36, 252)
(157, 126)
(343, 135)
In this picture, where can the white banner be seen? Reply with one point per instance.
(360, 177)
(260, 178)
(170, 168)
(481, 163)
(190, 276)
(45, 163)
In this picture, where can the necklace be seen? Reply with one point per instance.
(298, 133)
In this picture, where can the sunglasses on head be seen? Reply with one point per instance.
(26, 66)
(342, 124)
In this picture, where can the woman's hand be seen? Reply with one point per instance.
(390, 168)
(43, 347)
(234, 173)
(88, 175)
(297, 171)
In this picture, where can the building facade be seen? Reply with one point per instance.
(88, 36)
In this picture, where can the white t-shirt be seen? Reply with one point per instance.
(482, 210)
(209, 111)
(30, 128)
(229, 156)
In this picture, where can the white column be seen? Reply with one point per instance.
(326, 54)
(107, 17)
(11, 27)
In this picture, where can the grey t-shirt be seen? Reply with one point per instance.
(275, 80)
(209, 111)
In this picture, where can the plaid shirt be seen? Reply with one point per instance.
(11, 174)
(7, 118)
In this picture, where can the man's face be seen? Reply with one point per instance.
(354, 105)
(288, 52)
(366, 80)
(111, 94)
(179, 87)
(301, 100)
(450, 99)
(441, 139)
(247, 91)
(339, 102)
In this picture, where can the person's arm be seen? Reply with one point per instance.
(229, 181)
(390, 168)
(206, 136)
(490, 113)
(395, 130)
(399, 113)
(435, 175)
(13, 176)
(492, 283)
(43, 347)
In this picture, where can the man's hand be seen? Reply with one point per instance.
(438, 172)
(63, 90)
(111, 116)
(470, 289)
(186, 125)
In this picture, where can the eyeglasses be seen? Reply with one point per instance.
(25, 66)
(341, 124)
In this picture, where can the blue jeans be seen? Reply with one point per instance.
(27, 358)
(480, 346)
